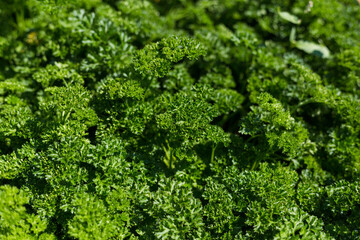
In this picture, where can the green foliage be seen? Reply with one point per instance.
(337, 204)
(65, 112)
(276, 124)
(93, 220)
(156, 59)
(176, 213)
(181, 119)
(259, 204)
(16, 222)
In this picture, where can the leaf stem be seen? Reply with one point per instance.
(213, 153)
(168, 159)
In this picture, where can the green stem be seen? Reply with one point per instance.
(213, 153)
(254, 165)
(168, 159)
(20, 19)
(252, 137)
(310, 100)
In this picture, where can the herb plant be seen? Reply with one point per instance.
(179, 119)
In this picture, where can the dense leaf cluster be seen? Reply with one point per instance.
(179, 119)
